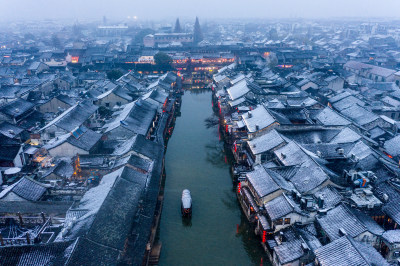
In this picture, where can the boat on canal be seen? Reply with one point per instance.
(186, 206)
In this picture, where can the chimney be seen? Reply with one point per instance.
(303, 204)
(340, 151)
(321, 202)
(257, 127)
(381, 142)
(282, 238)
(342, 232)
(250, 114)
(305, 247)
(385, 197)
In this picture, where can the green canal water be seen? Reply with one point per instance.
(196, 160)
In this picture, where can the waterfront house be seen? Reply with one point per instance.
(258, 121)
(289, 248)
(261, 185)
(135, 118)
(261, 148)
(282, 211)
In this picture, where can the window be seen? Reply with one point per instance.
(287, 220)
(279, 222)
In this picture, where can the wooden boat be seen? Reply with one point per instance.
(186, 206)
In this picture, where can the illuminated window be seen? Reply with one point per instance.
(287, 220)
(279, 222)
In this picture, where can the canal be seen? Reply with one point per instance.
(218, 233)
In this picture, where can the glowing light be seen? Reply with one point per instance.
(74, 59)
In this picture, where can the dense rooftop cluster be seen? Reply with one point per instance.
(81, 156)
(310, 111)
(314, 134)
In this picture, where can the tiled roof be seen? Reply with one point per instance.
(341, 218)
(346, 252)
(17, 107)
(29, 189)
(280, 206)
(261, 181)
(265, 142)
(392, 236)
(35, 255)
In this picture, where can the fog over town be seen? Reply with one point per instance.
(207, 9)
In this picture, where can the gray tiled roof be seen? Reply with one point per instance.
(392, 236)
(329, 117)
(280, 206)
(29, 189)
(261, 181)
(330, 195)
(291, 249)
(346, 252)
(265, 142)
(392, 207)
(41, 254)
(259, 117)
(340, 217)
(392, 146)
(17, 107)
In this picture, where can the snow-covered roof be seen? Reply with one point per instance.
(238, 90)
(258, 118)
(265, 142)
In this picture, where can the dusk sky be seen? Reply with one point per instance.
(157, 9)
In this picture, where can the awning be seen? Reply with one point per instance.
(263, 221)
(250, 198)
(31, 150)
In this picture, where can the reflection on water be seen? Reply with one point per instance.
(217, 233)
(186, 222)
(215, 154)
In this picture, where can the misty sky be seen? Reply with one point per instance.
(158, 9)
